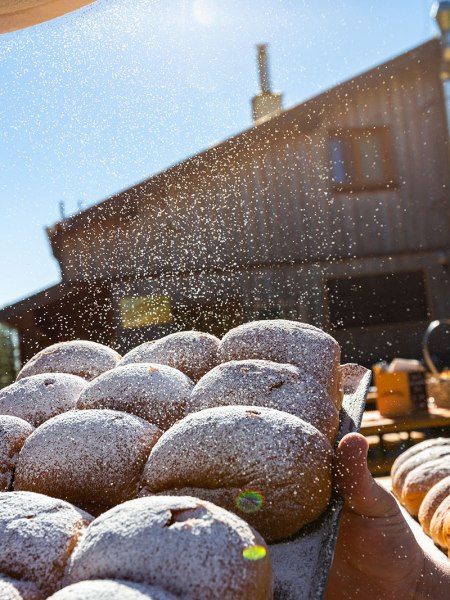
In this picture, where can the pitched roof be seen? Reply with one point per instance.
(301, 118)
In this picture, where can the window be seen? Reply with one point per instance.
(216, 317)
(377, 299)
(142, 311)
(361, 159)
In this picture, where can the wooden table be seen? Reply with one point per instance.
(383, 454)
(374, 424)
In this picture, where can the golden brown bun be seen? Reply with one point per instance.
(404, 456)
(440, 524)
(419, 459)
(446, 528)
(420, 480)
(437, 494)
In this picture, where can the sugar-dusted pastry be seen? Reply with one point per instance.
(108, 589)
(299, 344)
(273, 385)
(440, 524)
(420, 480)
(191, 352)
(417, 449)
(40, 397)
(91, 458)
(417, 460)
(269, 467)
(190, 548)
(437, 494)
(37, 536)
(155, 392)
(16, 589)
(13, 433)
(79, 357)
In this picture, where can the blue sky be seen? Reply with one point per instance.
(95, 101)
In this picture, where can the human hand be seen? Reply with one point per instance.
(377, 556)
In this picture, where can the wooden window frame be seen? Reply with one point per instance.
(350, 137)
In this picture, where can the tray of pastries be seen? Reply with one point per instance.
(191, 467)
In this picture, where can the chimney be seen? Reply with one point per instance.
(265, 104)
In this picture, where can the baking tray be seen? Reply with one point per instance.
(302, 563)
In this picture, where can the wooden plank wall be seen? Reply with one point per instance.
(272, 202)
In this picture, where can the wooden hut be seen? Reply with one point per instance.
(335, 212)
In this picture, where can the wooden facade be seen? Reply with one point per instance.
(336, 212)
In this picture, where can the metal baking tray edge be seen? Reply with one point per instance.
(302, 563)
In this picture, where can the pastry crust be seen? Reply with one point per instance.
(13, 433)
(14, 589)
(440, 524)
(417, 449)
(299, 344)
(109, 589)
(92, 458)
(37, 536)
(417, 460)
(83, 358)
(273, 385)
(437, 494)
(420, 480)
(40, 397)
(271, 468)
(191, 352)
(157, 393)
(189, 547)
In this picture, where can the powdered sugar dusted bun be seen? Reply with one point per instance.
(273, 385)
(271, 468)
(92, 458)
(191, 352)
(13, 433)
(440, 524)
(432, 500)
(107, 589)
(157, 393)
(416, 450)
(420, 480)
(40, 397)
(427, 455)
(13, 589)
(37, 535)
(189, 547)
(8, 591)
(291, 342)
(79, 357)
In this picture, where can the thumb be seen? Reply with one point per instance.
(354, 482)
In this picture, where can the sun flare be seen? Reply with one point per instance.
(204, 11)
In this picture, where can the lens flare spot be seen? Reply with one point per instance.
(249, 501)
(254, 552)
